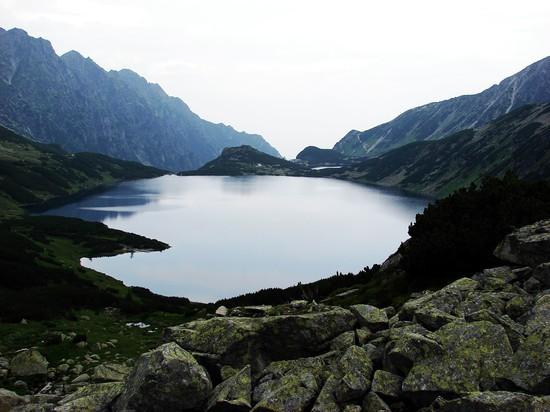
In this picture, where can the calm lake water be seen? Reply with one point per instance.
(231, 235)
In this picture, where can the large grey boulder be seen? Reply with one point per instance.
(29, 362)
(408, 343)
(370, 316)
(475, 355)
(529, 245)
(91, 398)
(233, 394)
(499, 401)
(165, 379)
(238, 341)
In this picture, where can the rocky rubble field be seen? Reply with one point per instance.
(482, 343)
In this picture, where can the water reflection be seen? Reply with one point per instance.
(231, 235)
(119, 202)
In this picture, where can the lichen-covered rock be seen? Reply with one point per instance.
(499, 401)
(409, 346)
(110, 372)
(529, 369)
(233, 394)
(514, 330)
(326, 401)
(357, 369)
(529, 245)
(91, 398)
(436, 309)
(370, 316)
(343, 341)
(518, 305)
(305, 376)
(167, 378)
(9, 400)
(386, 384)
(238, 341)
(539, 318)
(474, 356)
(28, 363)
(373, 403)
(477, 301)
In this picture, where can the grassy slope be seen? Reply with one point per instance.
(518, 141)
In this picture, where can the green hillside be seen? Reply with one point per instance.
(518, 142)
(34, 173)
(245, 160)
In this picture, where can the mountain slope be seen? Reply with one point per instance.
(71, 101)
(314, 156)
(518, 141)
(437, 120)
(245, 160)
(33, 173)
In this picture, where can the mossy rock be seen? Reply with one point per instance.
(238, 341)
(29, 362)
(233, 394)
(164, 379)
(91, 398)
(499, 401)
(474, 356)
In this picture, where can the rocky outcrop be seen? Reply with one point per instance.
(526, 246)
(239, 341)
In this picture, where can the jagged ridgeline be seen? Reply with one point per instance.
(71, 101)
(436, 120)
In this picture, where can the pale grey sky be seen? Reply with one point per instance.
(299, 72)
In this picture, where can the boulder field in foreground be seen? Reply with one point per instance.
(482, 343)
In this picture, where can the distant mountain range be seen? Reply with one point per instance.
(518, 142)
(436, 120)
(71, 101)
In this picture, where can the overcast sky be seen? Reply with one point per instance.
(299, 72)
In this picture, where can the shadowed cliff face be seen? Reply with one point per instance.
(71, 101)
(436, 120)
